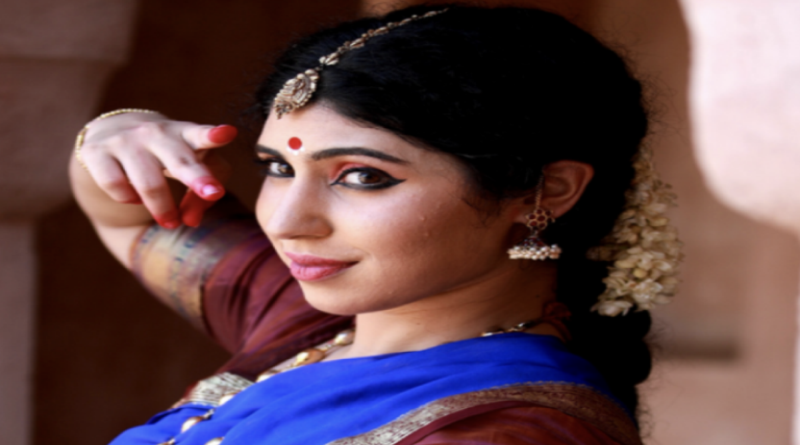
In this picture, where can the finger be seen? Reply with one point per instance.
(144, 172)
(192, 208)
(222, 134)
(110, 177)
(206, 136)
(182, 164)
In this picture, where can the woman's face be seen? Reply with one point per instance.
(367, 221)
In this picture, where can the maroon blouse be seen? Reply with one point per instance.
(227, 280)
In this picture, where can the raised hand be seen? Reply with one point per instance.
(120, 182)
(129, 156)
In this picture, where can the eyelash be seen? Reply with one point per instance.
(388, 180)
(267, 164)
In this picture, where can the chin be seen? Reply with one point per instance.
(331, 302)
(345, 302)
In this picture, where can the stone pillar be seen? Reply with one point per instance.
(744, 102)
(55, 56)
(17, 274)
(195, 60)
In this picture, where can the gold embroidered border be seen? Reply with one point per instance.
(174, 264)
(209, 391)
(576, 401)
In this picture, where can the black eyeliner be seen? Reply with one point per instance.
(390, 180)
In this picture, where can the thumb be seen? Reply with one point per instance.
(207, 136)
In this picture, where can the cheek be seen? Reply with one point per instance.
(263, 207)
(269, 198)
(424, 246)
(400, 225)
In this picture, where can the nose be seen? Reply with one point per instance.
(292, 210)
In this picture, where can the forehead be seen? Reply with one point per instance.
(318, 127)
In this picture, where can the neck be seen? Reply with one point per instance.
(501, 300)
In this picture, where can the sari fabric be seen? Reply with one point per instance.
(389, 398)
(532, 425)
(253, 307)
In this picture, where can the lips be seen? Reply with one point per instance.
(314, 268)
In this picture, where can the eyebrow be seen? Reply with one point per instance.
(262, 150)
(335, 152)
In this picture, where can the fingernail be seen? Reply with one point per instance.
(169, 220)
(168, 223)
(209, 190)
(191, 220)
(171, 224)
(207, 187)
(222, 134)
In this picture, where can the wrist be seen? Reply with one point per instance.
(81, 137)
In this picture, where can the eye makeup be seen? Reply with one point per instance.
(350, 175)
(361, 177)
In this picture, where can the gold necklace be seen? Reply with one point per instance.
(345, 338)
(307, 357)
(312, 355)
(553, 313)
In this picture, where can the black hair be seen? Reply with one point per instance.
(506, 91)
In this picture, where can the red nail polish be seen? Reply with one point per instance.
(168, 223)
(210, 190)
(192, 220)
(169, 220)
(207, 188)
(222, 134)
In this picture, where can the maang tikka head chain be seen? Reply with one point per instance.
(297, 91)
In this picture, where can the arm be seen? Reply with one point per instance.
(123, 187)
(209, 274)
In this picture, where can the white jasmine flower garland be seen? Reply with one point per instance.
(643, 246)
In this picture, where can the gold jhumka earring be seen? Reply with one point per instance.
(533, 247)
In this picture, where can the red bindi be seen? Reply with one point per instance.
(295, 144)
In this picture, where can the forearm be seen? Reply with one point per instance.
(174, 264)
(118, 225)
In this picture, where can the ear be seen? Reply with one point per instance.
(564, 183)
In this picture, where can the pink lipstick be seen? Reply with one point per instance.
(314, 268)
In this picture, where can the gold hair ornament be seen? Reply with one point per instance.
(643, 246)
(297, 91)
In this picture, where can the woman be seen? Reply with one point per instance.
(415, 165)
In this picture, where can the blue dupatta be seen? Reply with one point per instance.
(325, 402)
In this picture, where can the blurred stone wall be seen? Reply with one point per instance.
(84, 351)
(53, 66)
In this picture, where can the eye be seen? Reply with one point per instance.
(366, 178)
(276, 168)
